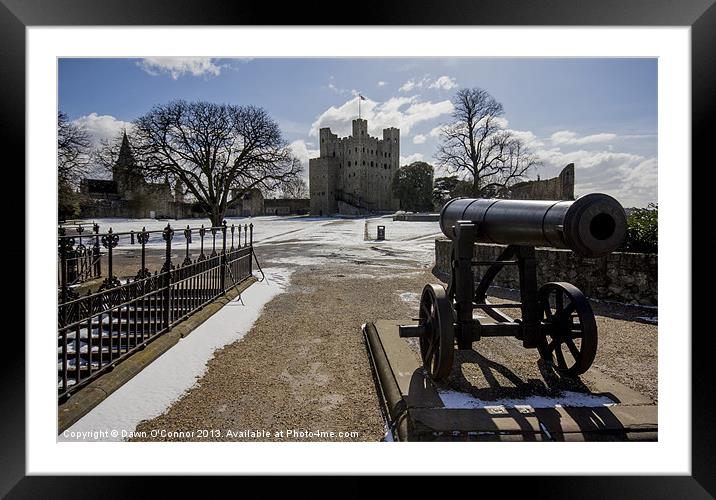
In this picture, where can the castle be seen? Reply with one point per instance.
(128, 194)
(353, 175)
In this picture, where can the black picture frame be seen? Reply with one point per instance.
(16, 15)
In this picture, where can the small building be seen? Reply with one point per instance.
(252, 203)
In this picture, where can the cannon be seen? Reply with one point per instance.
(556, 317)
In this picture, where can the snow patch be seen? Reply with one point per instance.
(456, 399)
(410, 297)
(165, 380)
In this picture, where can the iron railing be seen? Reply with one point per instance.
(98, 330)
(79, 254)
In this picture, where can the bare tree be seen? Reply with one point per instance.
(217, 151)
(476, 143)
(295, 189)
(105, 155)
(73, 151)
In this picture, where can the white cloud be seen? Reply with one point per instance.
(301, 150)
(527, 137)
(382, 83)
(435, 131)
(444, 82)
(569, 137)
(179, 66)
(419, 139)
(407, 160)
(408, 86)
(401, 112)
(102, 127)
(630, 178)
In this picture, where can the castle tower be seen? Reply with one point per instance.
(566, 179)
(354, 174)
(125, 172)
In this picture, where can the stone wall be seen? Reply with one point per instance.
(620, 276)
(557, 188)
(286, 206)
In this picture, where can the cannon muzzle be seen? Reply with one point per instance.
(591, 226)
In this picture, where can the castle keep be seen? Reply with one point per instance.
(354, 174)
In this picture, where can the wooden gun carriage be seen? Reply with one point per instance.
(556, 317)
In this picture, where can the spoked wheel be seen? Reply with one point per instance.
(571, 340)
(437, 342)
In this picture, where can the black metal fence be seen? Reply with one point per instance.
(79, 254)
(100, 329)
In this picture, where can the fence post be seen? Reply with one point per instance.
(239, 243)
(109, 241)
(251, 248)
(95, 252)
(167, 234)
(223, 257)
(202, 232)
(143, 238)
(187, 236)
(63, 266)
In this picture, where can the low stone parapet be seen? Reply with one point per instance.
(621, 276)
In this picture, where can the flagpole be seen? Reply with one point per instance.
(359, 100)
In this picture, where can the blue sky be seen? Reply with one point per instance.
(600, 114)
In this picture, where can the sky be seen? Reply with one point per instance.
(600, 114)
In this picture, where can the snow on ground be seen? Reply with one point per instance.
(155, 388)
(325, 237)
(456, 399)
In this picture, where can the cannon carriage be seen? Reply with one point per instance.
(556, 317)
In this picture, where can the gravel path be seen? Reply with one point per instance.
(302, 367)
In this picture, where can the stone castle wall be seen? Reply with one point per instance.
(557, 188)
(620, 276)
(356, 170)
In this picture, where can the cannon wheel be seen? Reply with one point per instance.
(437, 342)
(569, 346)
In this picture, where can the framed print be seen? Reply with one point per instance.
(281, 247)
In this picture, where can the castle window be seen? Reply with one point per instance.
(390, 155)
(349, 164)
(364, 150)
(334, 154)
(363, 162)
(371, 164)
(356, 150)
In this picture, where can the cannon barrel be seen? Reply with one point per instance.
(591, 226)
